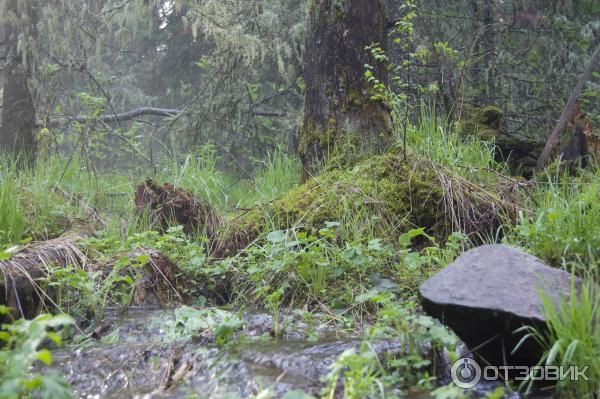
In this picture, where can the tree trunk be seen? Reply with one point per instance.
(338, 110)
(17, 135)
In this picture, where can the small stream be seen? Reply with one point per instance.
(137, 358)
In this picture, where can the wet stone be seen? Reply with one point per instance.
(488, 293)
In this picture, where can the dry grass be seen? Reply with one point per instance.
(478, 209)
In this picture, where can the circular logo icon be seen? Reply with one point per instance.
(465, 373)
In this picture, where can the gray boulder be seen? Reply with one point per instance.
(488, 293)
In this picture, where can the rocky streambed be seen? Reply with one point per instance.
(141, 356)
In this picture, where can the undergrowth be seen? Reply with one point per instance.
(435, 138)
(564, 224)
(562, 228)
(352, 255)
(21, 349)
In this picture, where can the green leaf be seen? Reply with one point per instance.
(44, 356)
(61, 320)
(54, 337)
(277, 236)
(197, 261)
(366, 296)
(406, 239)
(33, 382)
(142, 259)
(375, 245)
(414, 261)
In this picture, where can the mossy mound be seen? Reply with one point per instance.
(383, 191)
(384, 195)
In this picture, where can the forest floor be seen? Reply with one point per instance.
(210, 285)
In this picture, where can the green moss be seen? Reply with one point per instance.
(332, 123)
(312, 7)
(356, 98)
(310, 135)
(491, 116)
(485, 121)
(384, 196)
(381, 194)
(316, 10)
(381, 190)
(254, 220)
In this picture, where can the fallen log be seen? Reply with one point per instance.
(157, 281)
(21, 274)
(135, 113)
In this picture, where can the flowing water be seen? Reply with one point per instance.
(139, 357)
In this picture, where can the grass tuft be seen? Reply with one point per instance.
(12, 220)
(573, 339)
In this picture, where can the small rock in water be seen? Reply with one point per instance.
(488, 293)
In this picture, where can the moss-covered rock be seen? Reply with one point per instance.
(385, 195)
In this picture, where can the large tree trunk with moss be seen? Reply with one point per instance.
(17, 135)
(339, 111)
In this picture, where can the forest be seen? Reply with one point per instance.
(299, 199)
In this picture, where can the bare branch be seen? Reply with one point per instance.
(135, 113)
(119, 7)
(125, 116)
